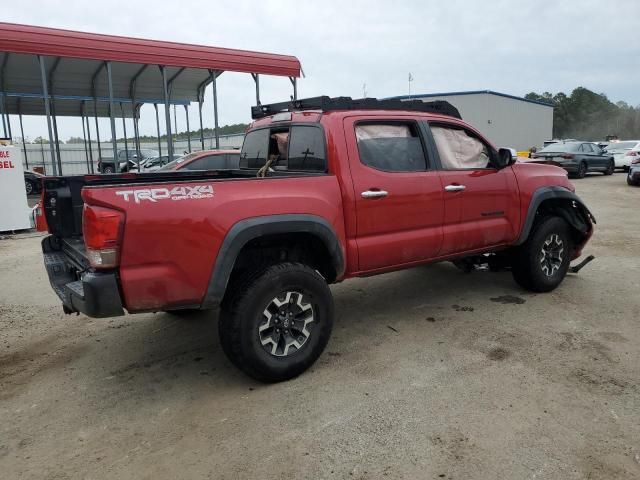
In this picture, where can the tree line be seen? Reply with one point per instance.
(587, 115)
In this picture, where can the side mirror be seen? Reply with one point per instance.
(505, 158)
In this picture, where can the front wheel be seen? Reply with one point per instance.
(108, 170)
(542, 262)
(277, 324)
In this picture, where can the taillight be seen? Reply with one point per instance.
(632, 154)
(567, 156)
(102, 230)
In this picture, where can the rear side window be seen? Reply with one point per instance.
(255, 149)
(306, 149)
(392, 147)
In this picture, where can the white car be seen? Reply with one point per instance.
(623, 152)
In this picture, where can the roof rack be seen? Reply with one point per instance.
(327, 104)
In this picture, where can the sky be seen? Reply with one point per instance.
(349, 47)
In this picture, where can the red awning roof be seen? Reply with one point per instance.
(55, 42)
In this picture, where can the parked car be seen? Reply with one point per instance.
(127, 160)
(355, 189)
(155, 163)
(32, 182)
(633, 176)
(624, 152)
(205, 160)
(577, 158)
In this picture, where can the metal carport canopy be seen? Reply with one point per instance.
(70, 70)
(75, 64)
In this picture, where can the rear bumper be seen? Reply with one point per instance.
(92, 293)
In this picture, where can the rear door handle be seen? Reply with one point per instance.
(454, 188)
(374, 194)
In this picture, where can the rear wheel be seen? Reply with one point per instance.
(582, 170)
(108, 169)
(610, 168)
(278, 323)
(542, 262)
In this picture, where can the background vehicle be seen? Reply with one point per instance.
(633, 177)
(343, 189)
(577, 158)
(623, 152)
(126, 160)
(205, 160)
(155, 163)
(32, 182)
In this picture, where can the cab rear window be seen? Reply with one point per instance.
(295, 148)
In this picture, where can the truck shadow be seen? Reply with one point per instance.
(165, 348)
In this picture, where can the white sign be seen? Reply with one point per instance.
(14, 209)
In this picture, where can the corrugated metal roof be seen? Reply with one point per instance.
(55, 42)
(470, 92)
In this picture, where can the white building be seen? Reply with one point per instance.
(506, 120)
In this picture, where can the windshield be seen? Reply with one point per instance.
(621, 146)
(561, 147)
(177, 161)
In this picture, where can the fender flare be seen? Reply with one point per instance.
(246, 230)
(552, 193)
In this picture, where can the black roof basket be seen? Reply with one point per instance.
(327, 104)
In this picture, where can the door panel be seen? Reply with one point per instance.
(481, 205)
(484, 214)
(399, 217)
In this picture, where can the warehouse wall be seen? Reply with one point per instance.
(507, 122)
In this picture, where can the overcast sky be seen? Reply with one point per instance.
(509, 46)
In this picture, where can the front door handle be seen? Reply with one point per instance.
(374, 194)
(454, 188)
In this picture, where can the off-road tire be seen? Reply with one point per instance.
(242, 315)
(610, 168)
(528, 268)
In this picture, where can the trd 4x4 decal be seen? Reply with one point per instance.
(176, 193)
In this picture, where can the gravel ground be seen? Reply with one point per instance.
(430, 373)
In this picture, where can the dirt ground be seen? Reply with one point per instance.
(430, 373)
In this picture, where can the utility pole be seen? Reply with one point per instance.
(364, 90)
(410, 80)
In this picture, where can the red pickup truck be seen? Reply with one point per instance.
(327, 189)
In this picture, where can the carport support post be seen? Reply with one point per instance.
(2, 108)
(200, 100)
(126, 144)
(136, 131)
(294, 82)
(95, 107)
(167, 112)
(186, 115)
(155, 105)
(84, 140)
(24, 143)
(111, 117)
(57, 138)
(214, 75)
(256, 78)
(47, 109)
(90, 145)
